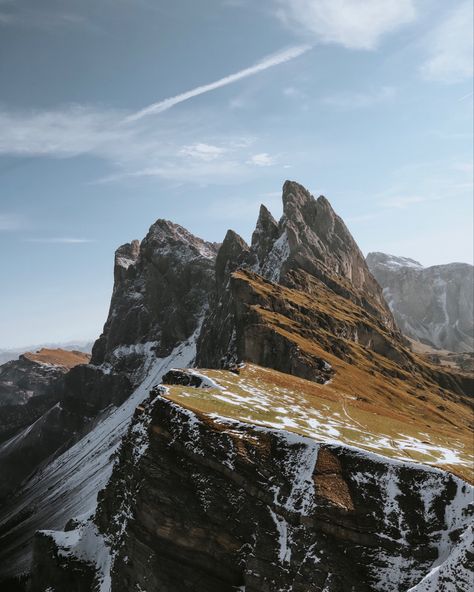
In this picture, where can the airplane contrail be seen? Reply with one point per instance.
(273, 60)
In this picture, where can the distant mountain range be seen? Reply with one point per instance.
(433, 305)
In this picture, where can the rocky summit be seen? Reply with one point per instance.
(253, 418)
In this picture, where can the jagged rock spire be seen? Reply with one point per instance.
(265, 234)
(230, 256)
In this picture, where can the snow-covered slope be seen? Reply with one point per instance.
(68, 487)
(434, 305)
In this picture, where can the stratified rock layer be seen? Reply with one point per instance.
(203, 504)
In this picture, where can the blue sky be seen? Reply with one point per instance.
(114, 113)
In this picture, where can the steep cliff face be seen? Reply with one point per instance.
(313, 238)
(159, 298)
(252, 477)
(433, 305)
(201, 502)
(161, 289)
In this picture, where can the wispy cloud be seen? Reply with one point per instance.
(60, 240)
(269, 62)
(23, 17)
(179, 147)
(351, 23)
(62, 132)
(360, 100)
(450, 47)
(203, 151)
(294, 93)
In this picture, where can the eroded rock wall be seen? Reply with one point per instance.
(206, 504)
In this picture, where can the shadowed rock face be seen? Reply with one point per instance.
(161, 287)
(433, 305)
(211, 505)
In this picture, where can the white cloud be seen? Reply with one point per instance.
(450, 47)
(261, 160)
(63, 132)
(355, 24)
(269, 62)
(175, 148)
(360, 100)
(202, 151)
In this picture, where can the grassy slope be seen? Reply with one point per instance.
(58, 357)
(391, 405)
(354, 409)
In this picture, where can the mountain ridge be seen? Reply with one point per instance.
(300, 300)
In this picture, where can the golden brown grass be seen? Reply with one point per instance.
(58, 357)
(396, 408)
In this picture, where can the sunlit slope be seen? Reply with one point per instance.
(355, 409)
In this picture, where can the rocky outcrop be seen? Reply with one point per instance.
(33, 424)
(202, 503)
(433, 305)
(161, 289)
(313, 238)
(302, 282)
(34, 373)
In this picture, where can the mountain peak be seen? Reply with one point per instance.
(165, 236)
(265, 234)
(391, 261)
(295, 198)
(229, 255)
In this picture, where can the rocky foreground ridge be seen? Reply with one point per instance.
(309, 468)
(201, 502)
(433, 305)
